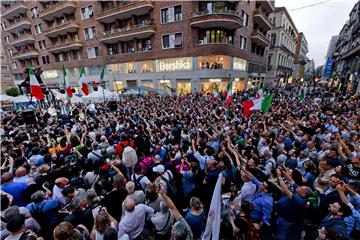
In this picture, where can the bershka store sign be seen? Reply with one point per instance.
(174, 64)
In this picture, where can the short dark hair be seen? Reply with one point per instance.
(345, 209)
(137, 169)
(5, 202)
(68, 189)
(15, 223)
(110, 234)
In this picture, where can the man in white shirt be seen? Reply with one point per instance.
(134, 220)
(60, 183)
(248, 189)
(163, 221)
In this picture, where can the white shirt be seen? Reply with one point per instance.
(248, 191)
(133, 222)
(144, 181)
(58, 196)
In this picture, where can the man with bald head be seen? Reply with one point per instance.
(15, 189)
(20, 175)
(134, 219)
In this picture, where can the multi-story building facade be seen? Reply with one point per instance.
(346, 57)
(328, 58)
(300, 57)
(184, 45)
(6, 78)
(309, 69)
(283, 42)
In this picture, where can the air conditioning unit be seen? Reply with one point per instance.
(201, 41)
(148, 41)
(132, 49)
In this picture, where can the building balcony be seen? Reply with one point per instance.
(139, 31)
(32, 53)
(19, 25)
(65, 46)
(266, 5)
(353, 52)
(124, 11)
(58, 10)
(227, 19)
(287, 50)
(260, 39)
(23, 40)
(262, 20)
(14, 10)
(67, 27)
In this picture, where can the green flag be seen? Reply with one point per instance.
(265, 106)
(302, 97)
(102, 74)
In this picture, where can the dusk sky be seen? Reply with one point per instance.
(318, 22)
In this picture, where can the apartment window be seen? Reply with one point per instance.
(113, 49)
(93, 52)
(4, 68)
(171, 14)
(7, 39)
(243, 42)
(11, 52)
(2, 58)
(94, 70)
(90, 32)
(273, 39)
(87, 12)
(38, 28)
(49, 74)
(245, 18)
(14, 65)
(45, 59)
(172, 40)
(42, 44)
(211, 36)
(3, 26)
(34, 12)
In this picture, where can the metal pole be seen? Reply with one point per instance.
(103, 87)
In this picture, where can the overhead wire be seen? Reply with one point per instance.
(310, 5)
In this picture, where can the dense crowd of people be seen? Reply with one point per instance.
(149, 169)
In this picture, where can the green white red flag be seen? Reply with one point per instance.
(229, 94)
(67, 83)
(35, 87)
(83, 86)
(215, 93)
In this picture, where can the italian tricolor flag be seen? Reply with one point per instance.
(229, 94)
(35, 87)
(67, 83)
(215, 93)
(259, 93)
(83, 86)
(263, 104)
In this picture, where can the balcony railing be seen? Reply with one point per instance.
(57, 9)
(18, 23)
(264, 22)
(13, 9)
(216, 11)
(26, 37)
(65, 46)
(26, 53)
(53, 30)
(131, 27)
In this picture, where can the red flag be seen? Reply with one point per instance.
(246, 108)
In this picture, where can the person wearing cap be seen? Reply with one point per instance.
(164, 176)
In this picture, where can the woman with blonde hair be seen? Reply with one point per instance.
(103, 220)
(66, 231)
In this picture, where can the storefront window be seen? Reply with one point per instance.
(50, 74)
(147, 83)
(146, 66)
(174, 64)
(211, 36)
(131, 83)
(130, 68)
(239, 84)
(214, 62)
(118, 85)
(183, 87)
(208, 85)
(239, 64)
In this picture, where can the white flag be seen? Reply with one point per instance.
(212, 230)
